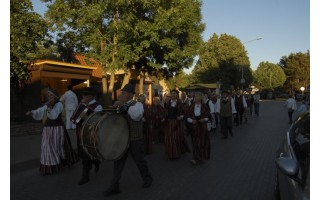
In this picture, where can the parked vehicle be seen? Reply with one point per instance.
(292, 180)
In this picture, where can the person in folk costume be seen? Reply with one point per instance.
(225, 110)
(175, 143)
(148, 136)
(157, 118)
(88, 99)
(247, 112)
(241, 105)
(56, 148)
(70, 101)
(167, 98)
(198, 115)
(133, 110)
(186, 103)
(214, 99)
(212, 120)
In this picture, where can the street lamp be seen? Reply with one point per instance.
(242, 81)
(302, 89)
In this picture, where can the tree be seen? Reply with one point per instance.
(269, 76)
(297, 68)
(223, 59)
(148, 34)
(180, 80)
(27, 32)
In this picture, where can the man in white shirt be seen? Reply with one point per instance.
(292, 106)
(134, 113)
(70, 101)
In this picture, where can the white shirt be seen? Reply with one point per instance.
(197, 112)
(52, 114)
(291, 104)
(70, 100)
(98, 108)
(232, 106)
(135, 111)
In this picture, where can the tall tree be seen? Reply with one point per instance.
(223, 59)
(297, 68)
(269, 76)
(27, 32)
(148, 34)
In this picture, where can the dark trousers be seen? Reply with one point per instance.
(256, 109)
(239, 115)
(290, 113)
(136, 148)
(226, 125)
(87, 162)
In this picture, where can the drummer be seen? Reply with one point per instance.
(88, 99)
(134, 113)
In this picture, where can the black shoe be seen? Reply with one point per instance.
(83, 180)
(147, 184)
(224, 137)
(111, 192)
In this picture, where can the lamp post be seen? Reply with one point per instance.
(242, 81)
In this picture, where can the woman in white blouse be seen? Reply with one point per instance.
(198, 116)
(56, 149)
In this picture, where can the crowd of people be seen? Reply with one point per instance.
(168, 121)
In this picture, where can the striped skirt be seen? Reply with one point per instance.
(56, 150)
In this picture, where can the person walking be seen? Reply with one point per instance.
(70, 101)
(303, 107)
(175, 143)
(89, 101)
(256, 100)
(198, 115)
(291, 106)
(225, 110)
(133, 110)
(56, 148)
(241, 105)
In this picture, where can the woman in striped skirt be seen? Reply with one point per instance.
(56, 149)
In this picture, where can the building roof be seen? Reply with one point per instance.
(202, 86)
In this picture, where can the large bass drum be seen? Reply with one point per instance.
(105, 135)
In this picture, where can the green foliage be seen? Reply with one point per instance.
(223, 59)
(180, 80)
(27, 32)
(297, 68)
(269, 76)
(147, 33)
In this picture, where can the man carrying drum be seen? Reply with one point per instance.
(88, 101)
(133, 111)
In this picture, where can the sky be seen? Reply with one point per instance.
(283, 25)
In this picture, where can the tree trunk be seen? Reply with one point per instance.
(126, 79)
(141, 82)
(110, 89)
(105, 90)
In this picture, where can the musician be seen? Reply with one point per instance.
(56, 148)
(88, 99)
(133, 111)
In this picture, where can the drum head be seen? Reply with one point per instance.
(113, 133)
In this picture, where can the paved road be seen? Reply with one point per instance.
(241, 168)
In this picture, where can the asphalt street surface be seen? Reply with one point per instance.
(241, 168)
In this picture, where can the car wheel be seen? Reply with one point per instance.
(276, 190)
